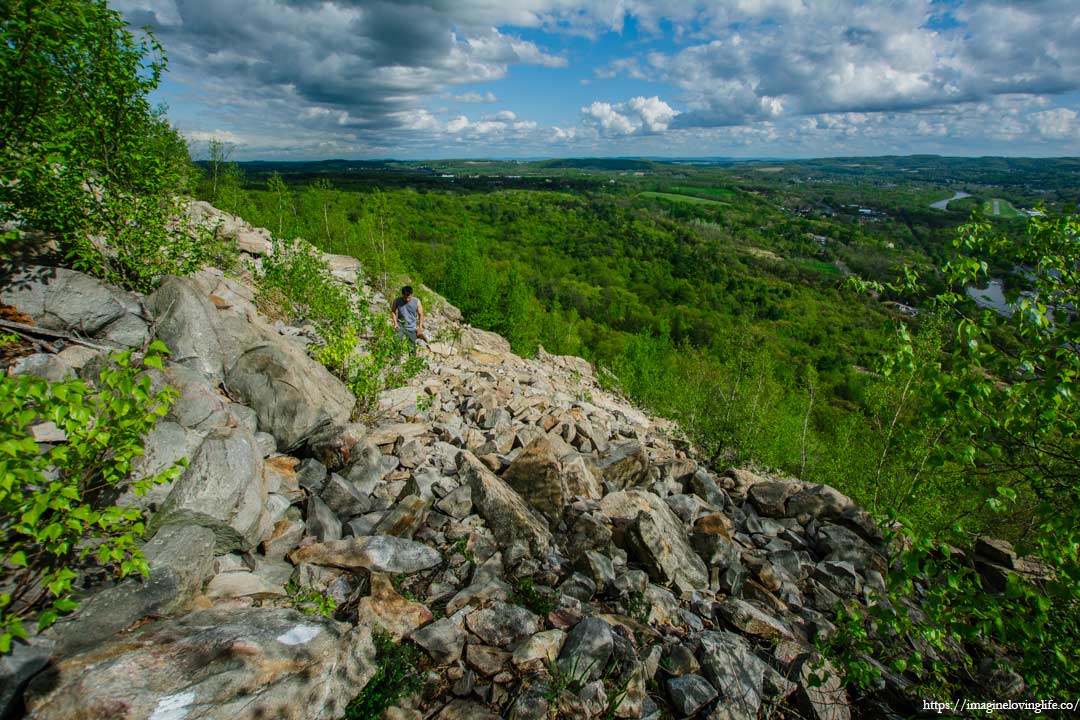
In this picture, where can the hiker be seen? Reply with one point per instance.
(408, 316)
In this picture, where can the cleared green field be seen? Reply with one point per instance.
(713, 193)
(679, 198)
(1001, 208)
(819, 265)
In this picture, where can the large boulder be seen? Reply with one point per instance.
(222, 488)
(186, 323)
(295, 396)
(506, 513)
(548, 481)
(224, 664)
(62, 299)
(180, 557)
(199, 406)
(656, 536)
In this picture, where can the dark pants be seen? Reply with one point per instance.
(409, 335)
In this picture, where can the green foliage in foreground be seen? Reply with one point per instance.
(399, 674)
(298, 272)
(55, 499)
(1005, 400)
(83, 156)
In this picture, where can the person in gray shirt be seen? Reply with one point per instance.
(408, 316)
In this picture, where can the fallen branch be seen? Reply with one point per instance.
(32, 332)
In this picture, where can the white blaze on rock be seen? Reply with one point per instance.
(299, 635)
(173, 707)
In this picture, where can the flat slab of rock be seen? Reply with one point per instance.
(503, 625)
(379, 553)
(242, 663)
(751, 621)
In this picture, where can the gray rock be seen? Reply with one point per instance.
(200, 406)
(186, 322)
(128, 330)
(704, 486)
(242, 584)
(999, 552)
(657, 538)
(113, 609)
(62, 299)
(539, 651)
(363, 525)
(821, 694)
(503, 625)
(587, 649)
(371, 467)
(293, 394)
(311, 475)
(838, 576)
(599, 568)
(405, 518)
(187, 550)
(626, 465)
(45, 366)
(267, 444)
(749, 620)
(380, 553)
(506, 513)
(579, 586)
(735, 671)
(412, 453)
(217, 664)
(533, 702)
(283, 537)
(443, 640)
(222, 489)
(464, 710)
(690, 693)
(770, 498)
(458, 503)
(163, 447)
(322, 523)
(678, 660)
(343, 497)
(24, 661)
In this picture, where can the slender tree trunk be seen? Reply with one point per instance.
(806, 426)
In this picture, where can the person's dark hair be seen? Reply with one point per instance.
(406, 291)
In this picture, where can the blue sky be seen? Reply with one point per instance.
(303, 79)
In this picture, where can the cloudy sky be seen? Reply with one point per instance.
(301, 79)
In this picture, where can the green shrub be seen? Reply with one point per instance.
(298, 272)
(56, 500)
(399, 674)
(310, 601)
(1003, 394)
(83, 155)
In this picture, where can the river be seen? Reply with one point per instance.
(944, 204)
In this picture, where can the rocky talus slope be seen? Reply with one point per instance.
(553, 550)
